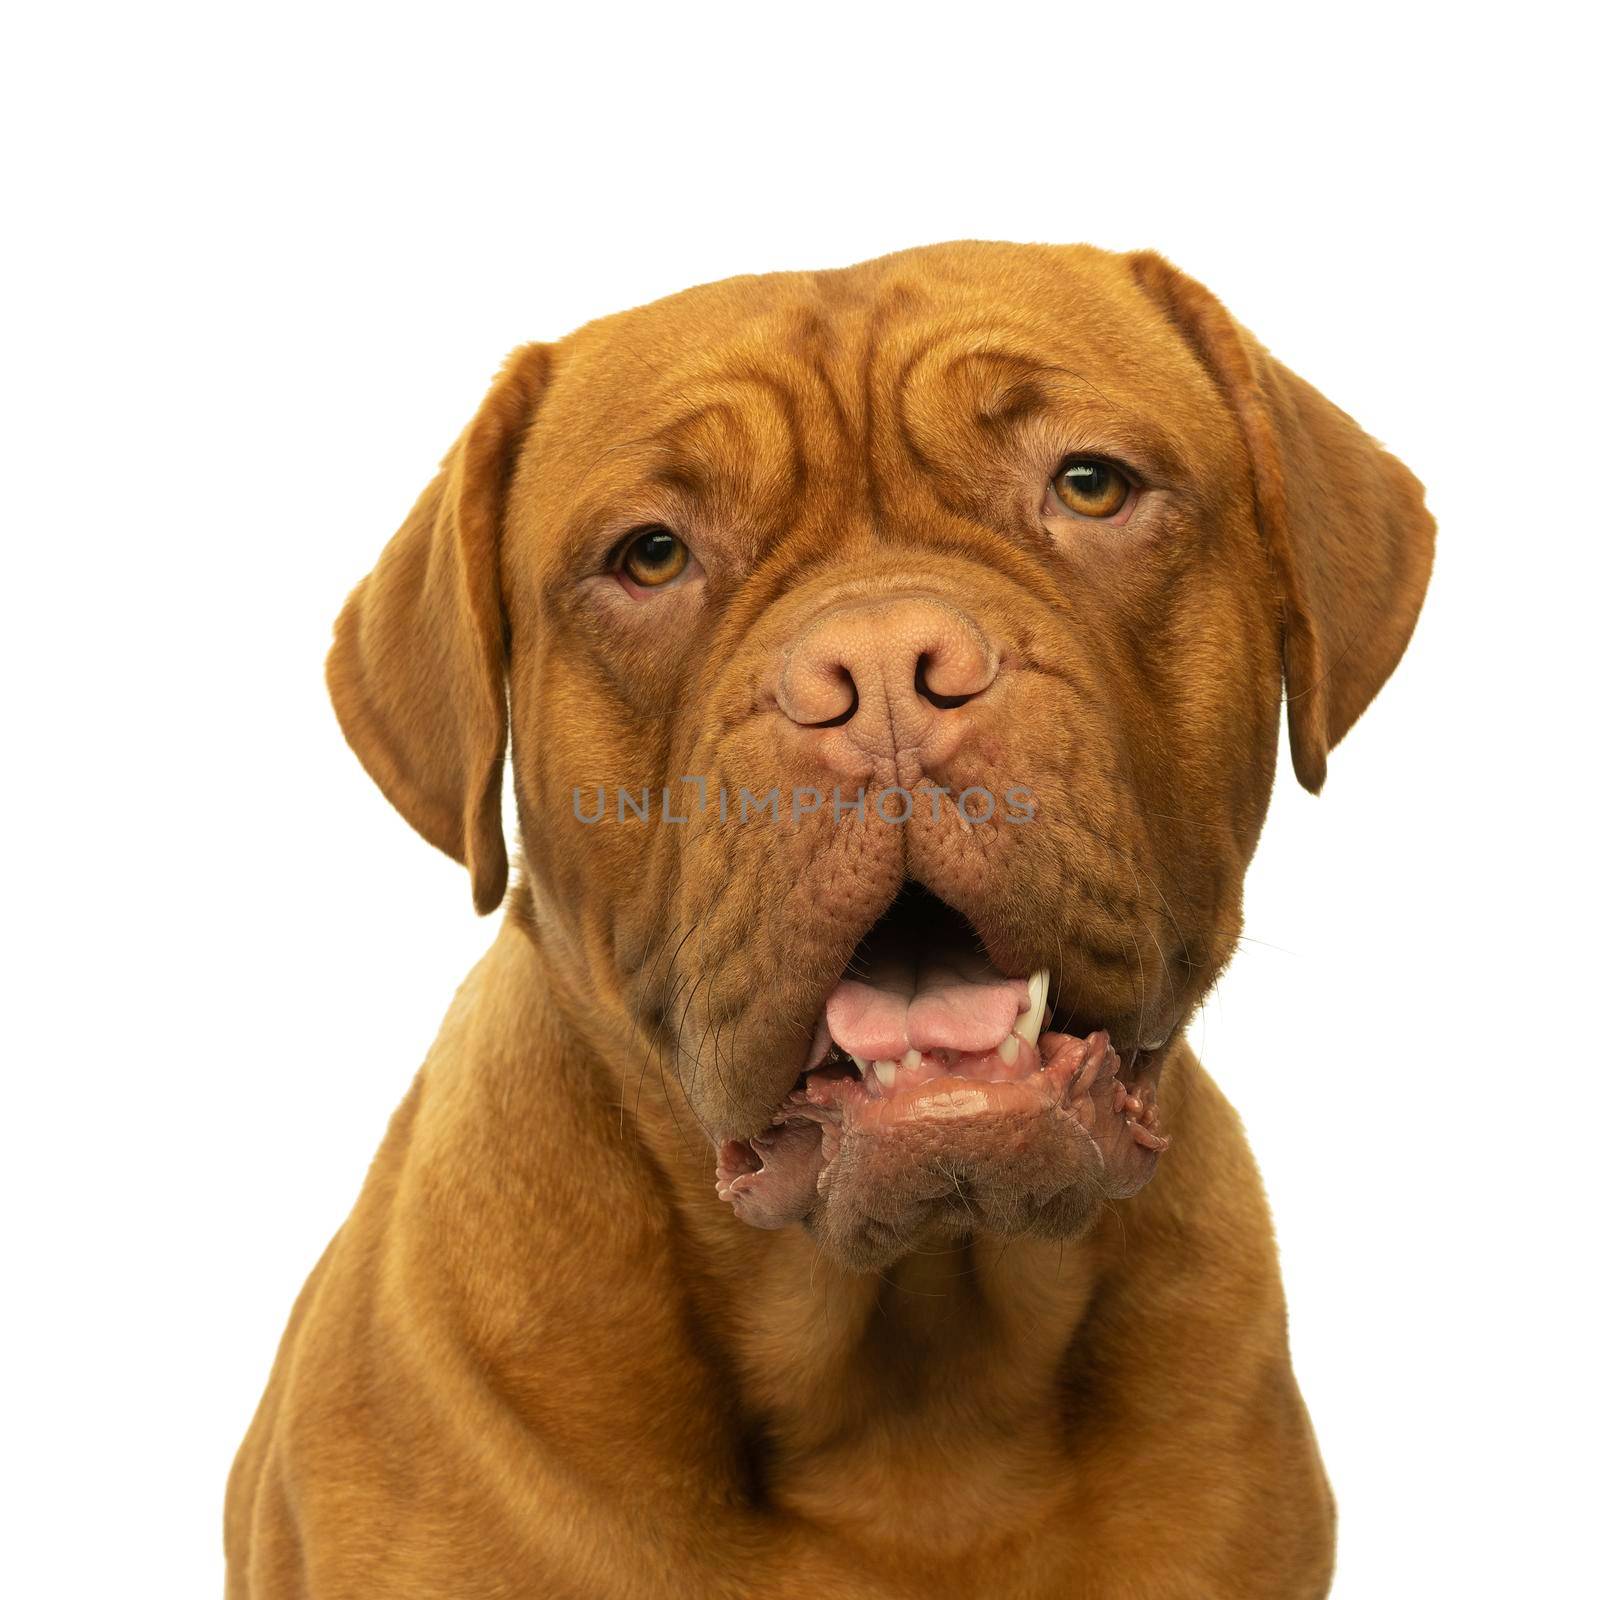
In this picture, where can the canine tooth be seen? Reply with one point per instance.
(1033, 1018)
(912, 1058)
(1010, 1046)
(862, 1065)
(886, 1073)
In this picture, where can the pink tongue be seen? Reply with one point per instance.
(934, 1007)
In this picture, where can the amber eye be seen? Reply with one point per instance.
(1090, 488)
(654, 556)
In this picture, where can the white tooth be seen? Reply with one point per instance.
(886, 1073)
(861, 1065)
(912, 1058)
(1031, 1020)
(1009, 1048)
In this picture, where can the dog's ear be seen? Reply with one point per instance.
(1349, 539)
(417, 668)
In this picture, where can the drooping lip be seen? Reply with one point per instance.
(778, 1176)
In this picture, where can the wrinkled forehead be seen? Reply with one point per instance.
(783, 375)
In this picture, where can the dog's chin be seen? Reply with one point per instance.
(934, 1102)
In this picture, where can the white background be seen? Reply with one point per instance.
(261, 265)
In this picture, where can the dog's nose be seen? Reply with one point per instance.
(888, 670)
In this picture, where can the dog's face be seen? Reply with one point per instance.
(893, 660)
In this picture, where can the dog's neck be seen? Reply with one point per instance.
(658, 1316)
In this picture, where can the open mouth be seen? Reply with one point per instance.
(933, 1077)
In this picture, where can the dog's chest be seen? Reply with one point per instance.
(924, 1424)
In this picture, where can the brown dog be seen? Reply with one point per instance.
(892, 659)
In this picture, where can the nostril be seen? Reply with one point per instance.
(817, 693)
(941, 702)
(848, 684)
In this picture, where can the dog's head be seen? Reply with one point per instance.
(892, 660)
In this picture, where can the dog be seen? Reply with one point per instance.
(811, 1191)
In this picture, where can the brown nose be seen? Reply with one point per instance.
(886, 670)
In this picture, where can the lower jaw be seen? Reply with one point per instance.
(1033, 1143)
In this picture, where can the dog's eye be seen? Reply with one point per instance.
(654, 556)
(1086, 487)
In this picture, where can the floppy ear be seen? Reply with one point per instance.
(1349, 539)
(417, 668)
